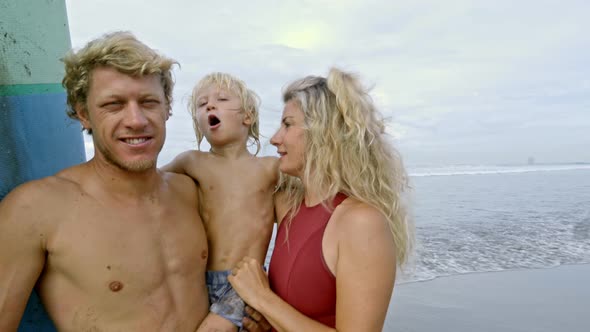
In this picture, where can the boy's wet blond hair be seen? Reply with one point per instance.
(347, 151)
(121, 51)
(250, 102)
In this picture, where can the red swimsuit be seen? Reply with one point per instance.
(298, 272)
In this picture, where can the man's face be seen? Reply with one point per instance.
(127, 116)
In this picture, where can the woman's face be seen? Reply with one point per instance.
(290, 140)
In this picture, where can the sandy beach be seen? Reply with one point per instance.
(555, 299)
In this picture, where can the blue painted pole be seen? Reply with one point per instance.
(37, 139)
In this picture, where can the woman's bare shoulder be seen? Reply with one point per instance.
(357, 219)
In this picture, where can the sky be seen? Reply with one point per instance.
(460, 82)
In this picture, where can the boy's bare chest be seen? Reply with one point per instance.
(233, 181)
(234, 196)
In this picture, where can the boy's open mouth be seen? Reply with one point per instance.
(213, 120)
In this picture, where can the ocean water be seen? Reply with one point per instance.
(493, 218)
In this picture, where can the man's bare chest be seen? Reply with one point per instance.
(129, 251)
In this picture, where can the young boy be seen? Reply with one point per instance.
(235, 188)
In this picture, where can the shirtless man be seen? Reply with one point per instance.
(235, 187)
(112, 244)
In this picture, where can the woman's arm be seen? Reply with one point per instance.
(365, 275)
(365, 269)
(251, 283)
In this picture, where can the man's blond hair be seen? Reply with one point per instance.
(121, 51)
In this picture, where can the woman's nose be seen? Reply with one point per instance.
(275, 139)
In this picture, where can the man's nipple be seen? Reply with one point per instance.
(204, 254)
(115, 286)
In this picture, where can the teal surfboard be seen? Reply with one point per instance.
(37, 139)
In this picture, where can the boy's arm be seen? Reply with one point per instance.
(280, 195)
(179, 163)
(22, 253)
(281, 207)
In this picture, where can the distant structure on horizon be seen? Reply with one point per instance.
(531, 161)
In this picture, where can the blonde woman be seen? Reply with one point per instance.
(343, 230)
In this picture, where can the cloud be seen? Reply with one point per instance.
(460, 80)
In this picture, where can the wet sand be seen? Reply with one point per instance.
(551, 300)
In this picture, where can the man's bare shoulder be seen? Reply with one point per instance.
(180, 184)
(37, 201)
(48, 188)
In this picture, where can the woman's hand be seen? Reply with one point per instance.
(249, 280)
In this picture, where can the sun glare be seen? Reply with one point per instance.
(303, 37)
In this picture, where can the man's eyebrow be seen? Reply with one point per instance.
(149, 94)
(287, 117)
(108, 96)
(116, 95)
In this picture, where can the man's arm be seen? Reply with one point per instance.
(255, 322)
(22, 253)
